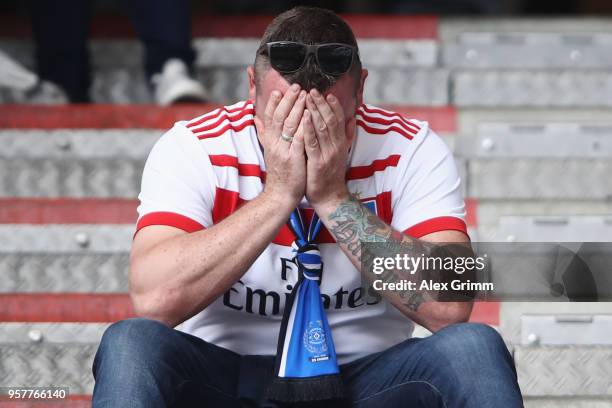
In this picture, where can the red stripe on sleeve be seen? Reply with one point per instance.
(170, 219)
(436, 224)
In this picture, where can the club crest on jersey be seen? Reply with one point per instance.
(315, 341)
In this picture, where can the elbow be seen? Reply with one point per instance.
(151, 301)
(155, 306)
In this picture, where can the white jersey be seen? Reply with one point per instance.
(202, 170)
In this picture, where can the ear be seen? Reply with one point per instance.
(362, 78)
(252, 84)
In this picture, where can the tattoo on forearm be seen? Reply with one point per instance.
(353, 223)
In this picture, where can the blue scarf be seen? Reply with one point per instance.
(306, 366)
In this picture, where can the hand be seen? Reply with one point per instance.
(285, 160)
(327, 139)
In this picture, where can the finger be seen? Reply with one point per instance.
(319, 125)
(297, 144)
(327, 113)
(311, 143)
(334, 104)
(283, 109)
(295, 115)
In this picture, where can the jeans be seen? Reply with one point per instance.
(142, 363)
(61, 30)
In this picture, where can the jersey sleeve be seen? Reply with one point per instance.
(427, 195)
(178, 184)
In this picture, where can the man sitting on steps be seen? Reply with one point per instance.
(213, 250)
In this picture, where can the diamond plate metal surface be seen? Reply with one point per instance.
(23, 177)
(57, 273)
(529, 50)
(450, 29)
(385, 85)
(539, 140)
(550, 228)
(427, 87)
(540, 179)
(27, 333)
(81, 143)
(65, 239)
(511, 312)
(40, 365)
(564, 329)
(470, 119)
(564, 370)
(533, 88)
(373, 52)
(221, 67)
(565, 402)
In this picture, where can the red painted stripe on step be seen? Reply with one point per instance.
(65, 307)
(441, 119)
(249, 26)
(471, 209)
(98, 116)
(486, 312)
(67, 211)
(72, 401)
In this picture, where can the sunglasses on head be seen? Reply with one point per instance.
(333, 58)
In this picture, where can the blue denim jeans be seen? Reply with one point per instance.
(142, 363)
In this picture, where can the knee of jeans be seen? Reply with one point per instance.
(132, 336)
(470, 338)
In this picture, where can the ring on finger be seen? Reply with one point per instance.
(286, 138)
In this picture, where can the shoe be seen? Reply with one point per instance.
(13, 75)
(24, 86)
(175, 85)
(46, 93)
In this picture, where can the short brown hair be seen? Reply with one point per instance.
(308, 25)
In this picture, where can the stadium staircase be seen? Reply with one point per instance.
(526, 106)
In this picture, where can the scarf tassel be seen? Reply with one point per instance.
(326, 387)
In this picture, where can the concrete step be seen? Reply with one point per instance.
(580, 373)
(542, 88)
(560, 50)
(116, 178)
(39, 365)
(525, 179)
(60, 273)
(568, 402)
(492, 219)
(409, 65)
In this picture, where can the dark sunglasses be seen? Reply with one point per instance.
(333, 58)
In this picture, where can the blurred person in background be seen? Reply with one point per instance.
(61, 29)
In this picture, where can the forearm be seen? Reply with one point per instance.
(178, 277)
(351, 223)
